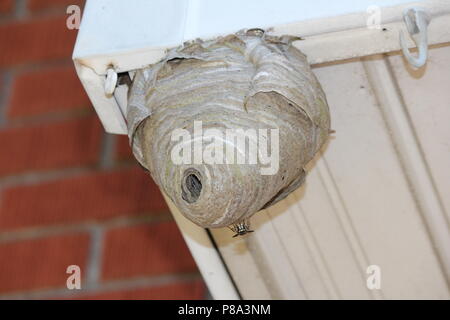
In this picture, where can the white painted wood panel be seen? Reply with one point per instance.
(358, 206)
(426, 93)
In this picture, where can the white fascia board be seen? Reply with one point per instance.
(130, 35)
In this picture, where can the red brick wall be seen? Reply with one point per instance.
(69, 193)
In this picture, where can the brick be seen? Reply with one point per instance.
(39, 5)
(154, 249)
(48, 90)
(6, 6)
(58, 145)
(179, 291)
(123, 150)
(88, 197)
(35, 40)
(41, 263)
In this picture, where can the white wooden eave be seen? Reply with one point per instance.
(383, 176)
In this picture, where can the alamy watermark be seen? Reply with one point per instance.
(374, 279)
(74, 280)
(227, 146)
(74, 19)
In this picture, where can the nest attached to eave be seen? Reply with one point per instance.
(247, 80)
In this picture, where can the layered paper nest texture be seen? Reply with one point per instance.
(247, 80)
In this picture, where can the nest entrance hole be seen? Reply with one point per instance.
(191, 186)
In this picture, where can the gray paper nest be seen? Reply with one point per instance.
(245, 80)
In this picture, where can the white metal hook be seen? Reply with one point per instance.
(416, 20)
(110, 81)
